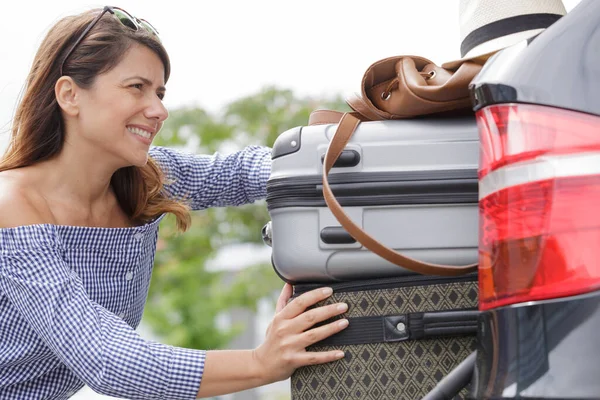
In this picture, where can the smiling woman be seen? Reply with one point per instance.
(82, 192)
(81, 109)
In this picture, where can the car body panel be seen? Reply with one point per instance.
(551, 348)
(547, 349)
(559, 68)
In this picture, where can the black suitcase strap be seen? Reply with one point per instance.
(401, 327)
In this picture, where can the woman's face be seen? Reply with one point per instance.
(123, 111)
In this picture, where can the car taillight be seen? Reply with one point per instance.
(539, 204)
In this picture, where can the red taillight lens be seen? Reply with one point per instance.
(539, 204)
(512, 133)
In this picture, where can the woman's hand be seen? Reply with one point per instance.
(288, 335)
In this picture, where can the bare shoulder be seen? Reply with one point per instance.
(20, 204)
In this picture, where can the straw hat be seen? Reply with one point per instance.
(487, 26)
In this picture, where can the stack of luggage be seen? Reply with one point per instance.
(411, 184)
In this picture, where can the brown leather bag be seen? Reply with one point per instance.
(396, 88)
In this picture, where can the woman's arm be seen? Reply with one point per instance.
(96, 345)
(215, 180)
(111, 358)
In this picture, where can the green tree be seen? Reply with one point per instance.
(185, 298)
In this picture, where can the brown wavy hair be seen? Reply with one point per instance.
(38, 128)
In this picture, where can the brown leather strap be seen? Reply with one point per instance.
(324, 117)
(347, 125)
(359, 105)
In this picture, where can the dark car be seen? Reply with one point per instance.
(538, 113)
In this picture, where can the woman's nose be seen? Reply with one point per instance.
(156, 110)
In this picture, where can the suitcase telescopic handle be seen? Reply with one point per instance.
(346, 128)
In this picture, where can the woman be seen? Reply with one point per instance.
(81, 197)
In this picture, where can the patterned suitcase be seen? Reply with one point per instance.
(405, 334)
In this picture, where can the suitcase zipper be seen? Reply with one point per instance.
(360, 177)
(355, 189)
(384, 283)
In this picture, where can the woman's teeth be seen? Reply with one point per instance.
(139, 132)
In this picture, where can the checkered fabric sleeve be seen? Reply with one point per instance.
(215, 180)
(97, 346)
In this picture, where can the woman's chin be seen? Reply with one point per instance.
(141, 161)
(137, 158)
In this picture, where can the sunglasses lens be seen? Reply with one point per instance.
(125, 19)
(146, 25)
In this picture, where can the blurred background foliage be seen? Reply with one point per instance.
(186, 297)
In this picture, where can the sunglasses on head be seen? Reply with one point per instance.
(123, 16)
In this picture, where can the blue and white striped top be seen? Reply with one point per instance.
(71, 297)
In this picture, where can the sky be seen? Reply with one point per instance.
(223, 50)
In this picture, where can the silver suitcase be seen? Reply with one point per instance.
(411, 184)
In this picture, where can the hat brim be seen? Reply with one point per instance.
(481, 53)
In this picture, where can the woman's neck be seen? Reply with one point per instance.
(77, 175)
(76, 186)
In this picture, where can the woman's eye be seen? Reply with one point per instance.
(137, 86)
(161, 96)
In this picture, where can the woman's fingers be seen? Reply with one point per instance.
(315, 335)
(302, 302)
(289, 333)
(284, 297)
(319, 357)
(311, 317)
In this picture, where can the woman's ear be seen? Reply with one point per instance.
(67, 95)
